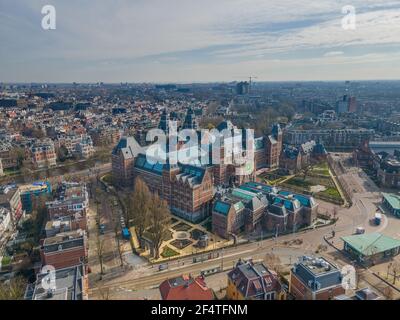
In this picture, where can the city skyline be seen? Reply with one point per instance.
(186, 42)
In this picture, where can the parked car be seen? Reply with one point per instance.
(163, 266)
(360, 230)
(102, 228)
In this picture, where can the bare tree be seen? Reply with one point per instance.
(100, 252)
(159, 222)
(396, 271)
(116, 229)
(138, 210)
(104, 292)
(273, 262)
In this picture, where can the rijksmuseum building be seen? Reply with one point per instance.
(189, 188)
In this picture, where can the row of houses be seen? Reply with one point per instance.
(310, 278)
(64, 248)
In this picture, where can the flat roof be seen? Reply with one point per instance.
(318, 265)
(37, 186)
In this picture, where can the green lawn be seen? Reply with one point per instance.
(304, 185)
(168, 252)
(321, 169)
(332, 192)
(6, 261)
(299, 182)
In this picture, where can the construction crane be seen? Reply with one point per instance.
(250, 80)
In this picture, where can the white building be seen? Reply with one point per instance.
(5, 220)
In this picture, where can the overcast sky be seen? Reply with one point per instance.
(198, 40)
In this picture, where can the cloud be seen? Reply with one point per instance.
(333, 53)
(125, 40)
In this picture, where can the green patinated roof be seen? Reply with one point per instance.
(222, 207)
(259, 143)
(371, 243)
(238, 206)
(393, 199)
(243, 194)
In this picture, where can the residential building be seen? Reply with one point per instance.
(65, 249)
(71, 198)
(329, 137)
(70, 284)
(8, 158)
(5, 220)
(43, 154)
(253, 281)
(315, 279)
(185, 288)
(78, 145)
(84, 149)
(31, 192)
(104, 136)
(65, 224)
(10, 198)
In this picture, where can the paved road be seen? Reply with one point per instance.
(365, 200)
(150, 278)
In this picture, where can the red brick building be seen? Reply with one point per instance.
(315, 279)
(43, 154)
(65, 249)
(72, 198)
(187, 189)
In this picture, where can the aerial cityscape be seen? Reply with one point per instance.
(264, 181)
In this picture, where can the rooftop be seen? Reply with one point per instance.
(69, 286)
(371, 243)
(393, 200)
(64, 237)
(317, 265)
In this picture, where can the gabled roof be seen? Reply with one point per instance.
(306, 201)
(371, 243)
(289, 204)
(254, 280)
(392, 199)
(185, 288)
